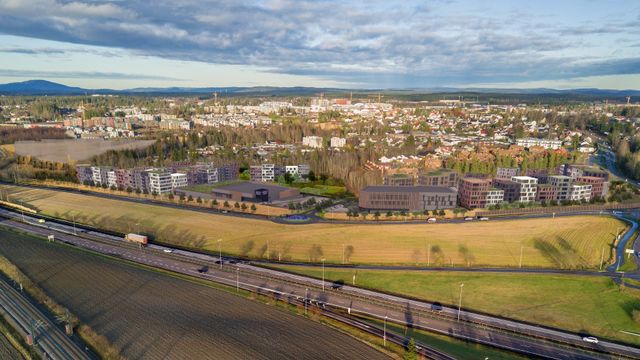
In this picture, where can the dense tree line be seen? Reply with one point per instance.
(9, 135)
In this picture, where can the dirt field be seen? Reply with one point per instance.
(74, 150)
(7, 351)
(567, 242)
(152, 316)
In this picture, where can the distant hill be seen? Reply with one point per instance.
(39, 87)
(44, 87)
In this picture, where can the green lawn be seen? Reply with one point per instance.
(576, 303)
(324, 190)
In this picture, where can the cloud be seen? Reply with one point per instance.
(363, 42)
(80, 75)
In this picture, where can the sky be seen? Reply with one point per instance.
(370, 44)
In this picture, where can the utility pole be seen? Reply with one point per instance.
(521, 247)
(306, 296)
(460, 301)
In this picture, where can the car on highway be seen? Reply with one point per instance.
(203, 269)
(436, 307)
(484, 218)
(468, 218)
(168, 251)
(337, 285)
(590, 339)
(431, 220)
(41, 221)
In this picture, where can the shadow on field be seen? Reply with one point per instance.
(563, 255)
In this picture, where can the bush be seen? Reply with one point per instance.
(635, 315)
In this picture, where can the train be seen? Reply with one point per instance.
(141, 239)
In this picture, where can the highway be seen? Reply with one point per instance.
(50, 341)
(529, 339)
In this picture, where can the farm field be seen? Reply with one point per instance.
(563, 242)
(148, 315)
(7, 351)
(73, 149)
(577, 303)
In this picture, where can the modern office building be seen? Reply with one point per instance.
(495, 196)
(472, 192)
(510, 188)
(528, 188)
(599, 185)
(410, 198)
(159, 181)
(507, 173)
(178, 180)
(397, 180)
(562, 184)
(580, 192)
(545, 193)
(440, 177)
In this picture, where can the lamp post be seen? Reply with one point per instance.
(384, 334)
(322, 274)
(460, 301)
(237, 279)
(306, 296)
(220, 252)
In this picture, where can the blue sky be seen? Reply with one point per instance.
(357, 44)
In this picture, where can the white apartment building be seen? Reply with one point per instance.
(178, 180)
(580, 192)
(268, 172)
(528, 187)
(495, 197)
(95, 175)
(545, 143)
(562, 184)
(111, 178)
(338, 142)
(159, 181)
(291, 170)
(312, 142)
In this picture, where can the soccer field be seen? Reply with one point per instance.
(565, 242)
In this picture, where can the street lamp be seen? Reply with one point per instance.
(306, 296)
(220, 252)
(384, 334)
(322, 274)
(237, 279)
(460, 301)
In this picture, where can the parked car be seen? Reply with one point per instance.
(468, 218)
(590, 339)
(431, 220)
(484, 218)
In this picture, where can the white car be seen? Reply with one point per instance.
(590, 339)
(484, 218)
(168, 251)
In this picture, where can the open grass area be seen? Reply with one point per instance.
(576, 303)
(324, 190)
(149, 315)
(563, 242)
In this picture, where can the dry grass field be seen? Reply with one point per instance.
(577, 303)
(567, 242)
(148, 315)
(73, 149)
(7, 351)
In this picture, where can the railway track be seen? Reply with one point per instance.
(418, 308)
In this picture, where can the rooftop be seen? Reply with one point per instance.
(409, 189)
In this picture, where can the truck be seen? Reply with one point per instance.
(141, 239)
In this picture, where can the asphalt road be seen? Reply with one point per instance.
(504, 333)
(50, 340)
